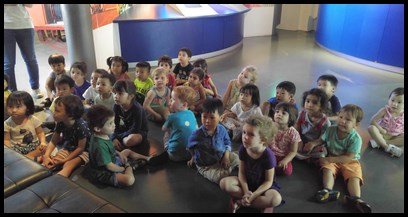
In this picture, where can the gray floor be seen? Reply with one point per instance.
(292, 56)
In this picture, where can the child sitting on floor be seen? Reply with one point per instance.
(387, 125)
(285, 92)
(104, 86)
(210, 145)
(194, 81)
(118, 67)
(328, 83)
(255, 185)
(143, 81)
(91, 92)
(343, 145)
(78, 72)
(57, 64)
(183, 68)
(166, 63)
(207, 82)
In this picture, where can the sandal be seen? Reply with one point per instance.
(358, 203)
(326, 195)
(139, 163)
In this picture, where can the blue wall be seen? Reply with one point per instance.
(374, 32)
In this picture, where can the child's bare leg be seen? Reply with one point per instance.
(133, 155)
(328, 179)
(231, 185)
(126, 179)
(377, 136)
(353, 186)
(133, 140)
(271, 198)
(397, 140)
(69, 166)
(34, 153)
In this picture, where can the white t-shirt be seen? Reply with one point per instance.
(17, 17)
(237, 109)
(90, 93)
(23, 134)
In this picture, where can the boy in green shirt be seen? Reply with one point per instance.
(143, 81)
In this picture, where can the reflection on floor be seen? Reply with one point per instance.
(289, 56)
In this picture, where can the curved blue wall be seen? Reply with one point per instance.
(373, 32)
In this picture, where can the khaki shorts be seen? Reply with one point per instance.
(216, 172)
(64, 153)
(348, 170)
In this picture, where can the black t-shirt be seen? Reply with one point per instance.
(183, 72)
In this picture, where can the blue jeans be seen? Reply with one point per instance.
(25, 40)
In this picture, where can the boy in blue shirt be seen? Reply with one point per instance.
(210, 145)
(328, 83)
(343, 145)
(285, 92)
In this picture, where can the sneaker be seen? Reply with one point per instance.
(233, 206)
(374, 144)
(394, 150)
(158, 159)
(36, 94)
(326, 195)
(139, 163)
(358, 204)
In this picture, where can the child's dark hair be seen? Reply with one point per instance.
(73, 105)
(355, 111)
(64, 79)
(165, 59)
(211, 105)
(21, 97)
(290, 109)
(97, 116)
(201, 63)
(331, 78)
(125, 86)
(100, 71)
(199, 72)
(253, 90)
(125, 65)
(288, 86)
(320, 94)
(397, 91)
(109, 76)
(144, 65)
(81, 66)
(188, 51)
(55, 59)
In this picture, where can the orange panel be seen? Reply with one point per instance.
(37, 14)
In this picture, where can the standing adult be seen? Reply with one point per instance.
(19, 28)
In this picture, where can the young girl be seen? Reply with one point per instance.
(312, 122)
(255, 186)
(166, 63)
(209, 86)
(387, 125)
(22, 130)
(285, 143)
(157, 99)
(91, 92)
(118, 67)
(130, 117)
(248, 75)
(78, 72)
(194, 81)
(247, 105)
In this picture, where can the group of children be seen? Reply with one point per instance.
(100, 121)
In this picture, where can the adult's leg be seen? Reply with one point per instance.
(10, 57)
(25, 41)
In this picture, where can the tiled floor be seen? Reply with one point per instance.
(290, 56)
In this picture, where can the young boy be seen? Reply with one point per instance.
(166, 63)
(64, 86)
(71, 136)
(104, 86)
(78, 72)
(91, 92)
(285, 92)
(106, 164)
(183, 68)
(343, 145)
(57, 64)
(210, 145)
(328, 83)
(143, 82)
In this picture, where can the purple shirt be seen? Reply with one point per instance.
(80, 90)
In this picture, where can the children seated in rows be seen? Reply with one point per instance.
(247, 105)
(248, 75)
(387, 125)
(328, 83)
(285, 92)
(104, 86)
(57, 64)
(143, 81)
(78, 71)
(22, 130)
(118, 66)
(312, 122)
(194, 81)
(130, 117)
(210, 145)
(108, 165)
(91, 92)
(343, 145)
(255, 186)
(183, 68)
(71, 136)
(285, 143)
(166, 63)
(157, 99)
(207, 82)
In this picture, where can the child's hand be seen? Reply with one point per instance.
(225, 163)
(246, 199)
(48, 162)
(283, 163)
(123, 158)
(42, 147)
(190, 163)
(117, 145)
